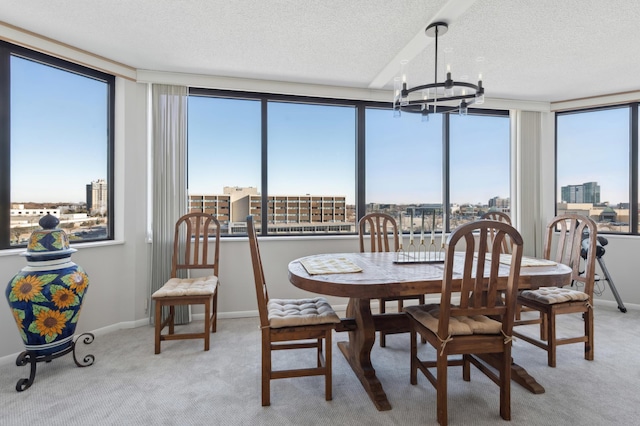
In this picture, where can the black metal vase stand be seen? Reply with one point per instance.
(29, 357)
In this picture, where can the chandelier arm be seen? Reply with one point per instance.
(406, 92)
(470, 99)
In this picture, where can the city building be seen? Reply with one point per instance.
(285, 213)
(97, 197)
(588, 192)
(499, 204)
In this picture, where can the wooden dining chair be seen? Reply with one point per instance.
(572, 231)
(383, 230)
(500, 217)
(291, 324)
(479, 323)
(196, 245)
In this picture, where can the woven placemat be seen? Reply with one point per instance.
(505, 259)
(331, 265)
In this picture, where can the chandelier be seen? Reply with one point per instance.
(444, 97)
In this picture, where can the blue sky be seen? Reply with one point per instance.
(312, 151)
(59, 133)
(594, 147)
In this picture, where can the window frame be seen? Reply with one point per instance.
(633, 160)
(7, 50)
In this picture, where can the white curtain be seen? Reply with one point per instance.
(169, 181)
(526, 136)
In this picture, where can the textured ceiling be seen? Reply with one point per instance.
(540, 50)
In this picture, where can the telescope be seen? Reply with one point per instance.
(600, 243)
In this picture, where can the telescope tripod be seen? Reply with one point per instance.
(608, 279)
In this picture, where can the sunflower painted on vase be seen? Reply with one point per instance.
(45, 297)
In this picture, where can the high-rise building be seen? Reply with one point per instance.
(588, 192)
(285, 213)
(502, 204)
(97, 197)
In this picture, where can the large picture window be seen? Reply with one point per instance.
(593, 167)
(315, 166)
(56, 147)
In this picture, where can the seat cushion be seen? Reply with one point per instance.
(428, 315)
(200, 286)
(297, 312)
(553, 295)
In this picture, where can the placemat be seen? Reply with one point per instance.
(332, 265)
(505, 259)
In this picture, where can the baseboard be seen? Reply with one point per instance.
(614, 304)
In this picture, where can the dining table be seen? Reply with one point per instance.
(365, 276)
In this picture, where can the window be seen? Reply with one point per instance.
(224, 164)
(479, 166)
(56, 147)
(593, 167)
(404, 168)
(311, 166)
(314, 166)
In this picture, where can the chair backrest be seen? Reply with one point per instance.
(500, 217)
(191, 241)
(383, 230)
(565, 247)
(258, 274)
(477, 272)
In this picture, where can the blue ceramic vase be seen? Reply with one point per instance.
(46, 295)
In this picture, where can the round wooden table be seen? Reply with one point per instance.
(380, 277)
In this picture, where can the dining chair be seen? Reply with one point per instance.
(383, 230)
(291, 324)
(566, 235)
(479, 323)
(196, 246)
(500, 217)
(505, 248)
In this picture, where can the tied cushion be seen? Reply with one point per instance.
(200, 286)
(552, 295)
(297, 312)
(428, 315)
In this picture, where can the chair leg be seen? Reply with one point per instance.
(214, 313)
(207, 324)
(266, 368)
(158, 326)
(466, 368)
(543, 326)
(172, 318)
(383, 336)
(414, 354)
(505, 385)
(551, 339)
(441, 388)
(328, 393)
(588, 330)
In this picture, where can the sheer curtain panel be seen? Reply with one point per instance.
(169, 174)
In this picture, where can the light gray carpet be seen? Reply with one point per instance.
(184, 385)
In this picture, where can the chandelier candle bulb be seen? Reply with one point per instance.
(400, 229)
(433, 228)
(411, 229)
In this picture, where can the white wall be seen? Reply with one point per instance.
(119, 271)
